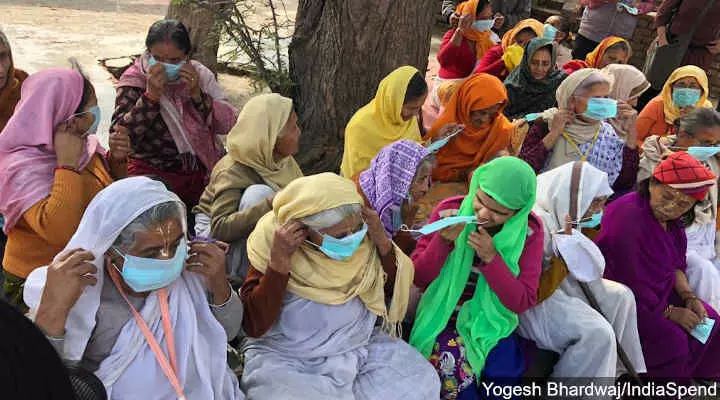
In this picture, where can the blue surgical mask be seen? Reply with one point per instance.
(532, 117)
(630, 10)
(341, 249)
(593, 222)
(702, 331)
(438, 144)
(686, 97)
(172, 70)
(703, 153)
(148, 274)
(549, 32)
(599, 108)
(442, 224)
(483, 25)
(95, 111)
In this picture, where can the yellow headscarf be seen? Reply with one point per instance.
(379, 123)
(672, 112)
(316, 277)
(252, 140)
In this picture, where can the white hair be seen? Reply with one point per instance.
(595, 78)
(151, 217)
(329, 218)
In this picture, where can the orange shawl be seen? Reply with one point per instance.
(474, 147)
(10, 94)
(481, 39)
(594, 58)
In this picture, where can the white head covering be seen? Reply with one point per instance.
(131, 368)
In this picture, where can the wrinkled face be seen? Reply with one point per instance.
(482, 118)
(5, 63)
(288, 142)
(668, 203)
(412, 107)
(348, 226)
(614, 56)
(540, 63)
(522, 38)
(488, 209)
(597, 206)
(167, 52)
(687, 83)
(579, 102)
(421, 184)
(708, 137)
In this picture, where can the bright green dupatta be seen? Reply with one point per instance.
(483, 320)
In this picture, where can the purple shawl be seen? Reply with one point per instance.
(387, 182)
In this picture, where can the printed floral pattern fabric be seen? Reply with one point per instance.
(607, 153)
(448, 358)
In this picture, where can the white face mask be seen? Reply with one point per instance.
(582, 256)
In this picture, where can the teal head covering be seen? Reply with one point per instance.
(482, 320)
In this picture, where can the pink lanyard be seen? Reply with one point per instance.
(169, 368)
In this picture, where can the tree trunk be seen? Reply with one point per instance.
(204, 29)
(340, 51)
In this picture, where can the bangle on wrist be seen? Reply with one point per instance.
(668, 311)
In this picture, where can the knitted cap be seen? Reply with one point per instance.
(683, 172)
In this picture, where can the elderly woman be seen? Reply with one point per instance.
(174, 109)
(398, 177)
(502, 59)
(578, 131)
(259, 163)
(701, 129)
(531, 87)
(128, 299)
(488, 270)
(605, 18)
(644, 245)
(564, 321)
(686, 89)
(51, 166)
(628, 84)
(11, 80)
(323, 272)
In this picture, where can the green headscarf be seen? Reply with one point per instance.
(483, 320)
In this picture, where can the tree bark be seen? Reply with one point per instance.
(204, 29)
(340, 51)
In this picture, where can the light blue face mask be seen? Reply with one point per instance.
(172, 70)
(483, 25)
(549, 32)
(686, 97)
(441, 224)
(341, 249)
(630, 10)
(703, 153)
(599, 108)
(532, 117)
(702, 330)
(148, 274)
(438, 144)
(593, 222)
(95, 111)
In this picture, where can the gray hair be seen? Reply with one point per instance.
(595, 78)
(148, 219)
(424, 163)
(698, 120)
(328, 218)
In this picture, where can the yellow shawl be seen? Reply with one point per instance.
(672, 112)
(379, 123)
(252, 140)
(316, 277)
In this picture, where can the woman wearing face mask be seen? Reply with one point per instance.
(578, 131)
(612, 50)
(398, 177)
(564, 321)
(557, 29)
(128, 299)
(532, 85)
(389, 117)
(686, 89)
(628, 84)
(488, 270)
(644, 245)
(51, 166)
(243, 183)
(502, 59)
(698, 133)
(323, 270)
(174, 109)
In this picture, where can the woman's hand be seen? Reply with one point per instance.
(208, 260)
(156, 81)
(482, 243)
(189, 75)
(465, 22)
(626, 112)
(288, 239)
(447, 130)
(67, 278)
(696, 305)
(69, 145)
(559, 121)
(376, 231)
(119, 143)
(451, 233)
(685, 318)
